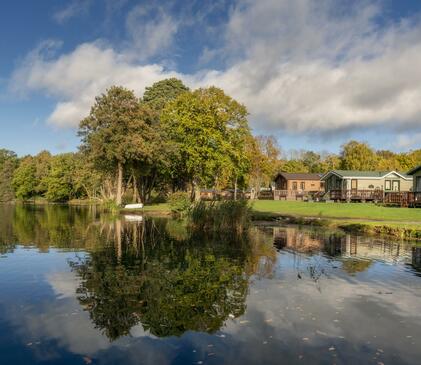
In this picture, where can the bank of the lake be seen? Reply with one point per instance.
(361, 218)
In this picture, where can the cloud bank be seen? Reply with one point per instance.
(300, 66)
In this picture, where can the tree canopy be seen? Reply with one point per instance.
(172, 139)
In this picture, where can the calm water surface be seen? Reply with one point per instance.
(77, 287)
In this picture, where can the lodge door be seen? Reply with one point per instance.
(354, 185)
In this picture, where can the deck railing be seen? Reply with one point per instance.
(356, 195)
(403, 198)
(295, 194)
(416, 201)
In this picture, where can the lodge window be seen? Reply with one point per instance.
(303, 185)
(387, 185)
(396, 184)
(294, 185)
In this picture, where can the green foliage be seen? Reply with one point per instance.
(209, 131)
(117, 129)
(8, 165)
(179, 203)
(230, 216)
(87, 180)
(24, 179)
(358, 156)
(162, 92)
(294, 166)
(42, 163)
(264, 155)
(172, 139)
(59, 181)
(117, 133)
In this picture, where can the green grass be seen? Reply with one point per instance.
(161, 207)
(367, 211)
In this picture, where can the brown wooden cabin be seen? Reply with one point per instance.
(294, 186)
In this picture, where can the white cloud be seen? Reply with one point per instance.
(76, 78)
(72, 9)
(406, 141)
(151, 31)
(298, 65)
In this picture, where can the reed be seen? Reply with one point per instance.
(220, 217)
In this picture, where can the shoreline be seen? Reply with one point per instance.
(400, 229)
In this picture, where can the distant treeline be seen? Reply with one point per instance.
(172, 139)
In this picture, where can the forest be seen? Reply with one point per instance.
(172, 139)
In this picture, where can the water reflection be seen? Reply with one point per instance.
(356, 253)
(168, 286)
(78, 286)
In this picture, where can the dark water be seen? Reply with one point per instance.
(77, 287)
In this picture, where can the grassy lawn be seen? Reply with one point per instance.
(339, 210)
(162, 207)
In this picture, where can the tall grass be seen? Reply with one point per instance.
(223, 217)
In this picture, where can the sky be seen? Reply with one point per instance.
(314, 74)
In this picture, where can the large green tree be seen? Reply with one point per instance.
(117, 133)
(209, 130)
(358, 156)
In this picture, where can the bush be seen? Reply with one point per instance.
(179, 203)
(230, 216)
(110, 206)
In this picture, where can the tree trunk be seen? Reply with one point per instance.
(118, 199)
(235, 189)
(135, 191)
(195, 191)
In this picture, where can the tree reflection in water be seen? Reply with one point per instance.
(166, 281)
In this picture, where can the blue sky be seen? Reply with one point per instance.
(312, 73)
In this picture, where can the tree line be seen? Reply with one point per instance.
(172, 139)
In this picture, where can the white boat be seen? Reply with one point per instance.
(133, 206)
(133, 218)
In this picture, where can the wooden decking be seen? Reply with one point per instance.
(416, 200)
(401, 198)
(295, 194)
(357, 195)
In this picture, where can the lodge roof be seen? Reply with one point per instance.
(365, 174)
(414, 170)
(299, 176)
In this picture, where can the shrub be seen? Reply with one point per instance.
(221, 217)
(179, 203)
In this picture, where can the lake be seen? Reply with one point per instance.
(81, 287)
